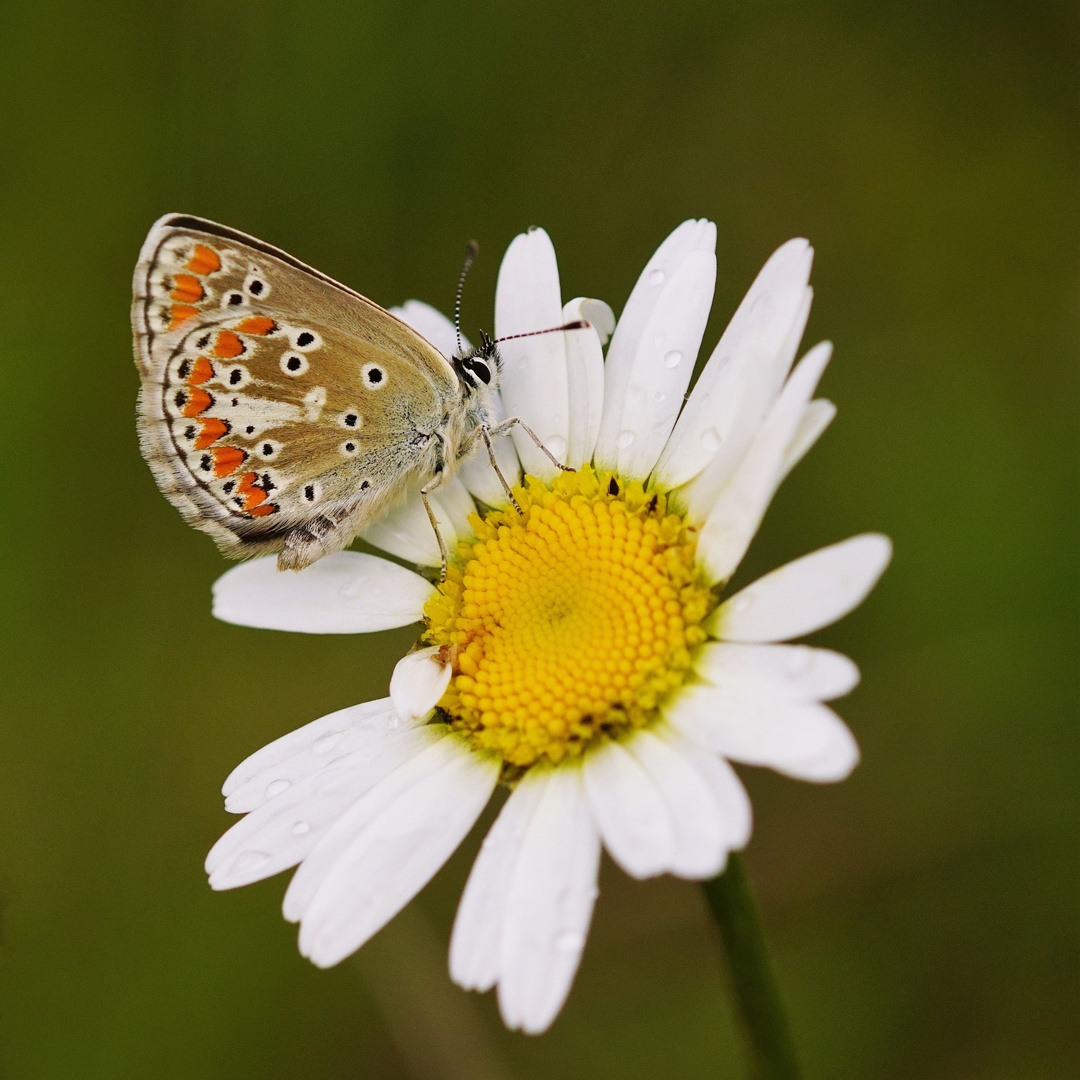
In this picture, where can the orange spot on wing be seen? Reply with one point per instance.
(180, 313)
(210, 430)
(257, 324)
(227, 344)
(227, 459)
(201, 371)
(251, 494)
(262, 511)
(187, 289)
(198, 401)
(204, 260)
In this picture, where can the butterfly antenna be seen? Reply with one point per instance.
(470, 257)
(579, 325)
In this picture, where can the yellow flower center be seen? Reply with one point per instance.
(571, 621)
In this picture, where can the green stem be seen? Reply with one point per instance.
(731, 900)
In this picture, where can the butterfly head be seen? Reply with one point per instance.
(478, 370)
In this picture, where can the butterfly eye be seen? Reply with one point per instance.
(306, 339)
(373, 376)
(481, 371)
(294, 364)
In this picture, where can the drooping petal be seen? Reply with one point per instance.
(654, 349)
(287, 826)
(549, 905)
(629, 810)
(731, 523)
(744, 373)
(343, 593)
(732, 803)
(816, 417)
(585, 375)
(276, 766)
(431, 324)
(701, 834)
(405, 530)
(400, 833)
(804, 595)
(798, 671)
(533, 376)
(477, 938)
(420, 678)
(803, 739)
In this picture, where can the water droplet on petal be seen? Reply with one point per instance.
(743, 602)
(301, 828)
(557, 445)
(799, 660)
(710, 440)
(656, 277)
(276, 787)
(570, 941)
(325, 743)
(635, 398)
(672, 359)
(659, 395)
(625, 439)
(350, 589)
(393, 722)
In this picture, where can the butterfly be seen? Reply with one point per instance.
(281, 411)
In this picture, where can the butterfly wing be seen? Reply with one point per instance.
(279, 410)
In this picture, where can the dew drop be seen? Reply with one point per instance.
(660, 395)
(625, 439)
(672, 359)
(710, 440)
(743, 602)
(301, 828)
(276, 787)
(656, 277)
(799, 660)
(557, 445)
(570, 941)
(325, 743)
(350, 589)
(635, 398)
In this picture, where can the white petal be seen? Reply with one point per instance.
(343, 593)
(700, 847)
(419, 680)
(733, 520)
(533, 379)
(476, 472)
(732, 803)
(550, 903)
(799, 738)
(453, 497)
(806, 594)
(629, 810)
(665, 316)
(398, 850)
(585, 376)
(405, 530)
(744, 373)
(431, 324)
(477, 938)
(797, 671)
(285, 828)
(816, 417)
(279, 764)
(337, 840)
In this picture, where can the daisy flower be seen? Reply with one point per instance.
(580, 652)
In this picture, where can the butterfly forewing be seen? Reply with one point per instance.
(278, 408)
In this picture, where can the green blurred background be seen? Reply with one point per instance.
(924, 913)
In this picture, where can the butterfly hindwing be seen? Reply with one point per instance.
(279, 409)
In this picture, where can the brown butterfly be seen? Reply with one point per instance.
(282, 411)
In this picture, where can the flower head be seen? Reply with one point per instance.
(581, 649)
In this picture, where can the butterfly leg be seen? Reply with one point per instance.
(505, 427)
(485, 434)
(434, 523)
